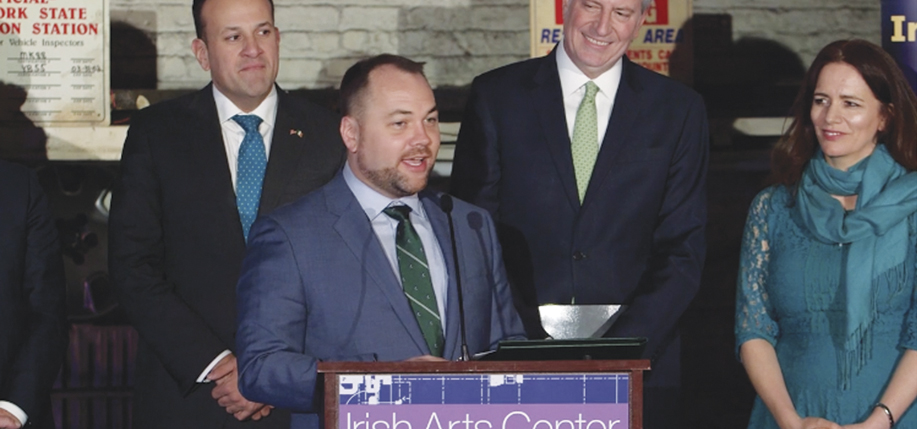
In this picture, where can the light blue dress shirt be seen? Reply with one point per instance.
(385, 227)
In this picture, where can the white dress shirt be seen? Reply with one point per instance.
(385, 228)
(573, 85)
(233, 133)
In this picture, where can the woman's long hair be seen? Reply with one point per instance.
(888, 85)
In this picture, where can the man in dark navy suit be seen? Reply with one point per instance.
(594, 170)
(33, 322)
(195, 173)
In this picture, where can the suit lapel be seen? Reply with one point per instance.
(286, 148)
(440, 225)
(625, 113)
(547, 97)
(206, 145)
(357, 232)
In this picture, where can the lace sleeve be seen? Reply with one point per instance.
(754, 311)
(909, 333)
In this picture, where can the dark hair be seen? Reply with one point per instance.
(196, 8)
(888, 85)
(356, 79)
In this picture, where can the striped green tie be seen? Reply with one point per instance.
(415, 278)
(585, 143)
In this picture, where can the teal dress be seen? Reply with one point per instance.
(788, 294)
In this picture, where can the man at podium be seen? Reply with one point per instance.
(362, 269)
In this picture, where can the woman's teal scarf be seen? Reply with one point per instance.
(875, 230)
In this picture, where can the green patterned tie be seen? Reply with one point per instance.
(415, 278)
(585, 144)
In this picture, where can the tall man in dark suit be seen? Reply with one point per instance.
(33, 322)
(195, 172)
(594, 170)
(363, 269)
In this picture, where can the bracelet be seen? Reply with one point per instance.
(888, 413)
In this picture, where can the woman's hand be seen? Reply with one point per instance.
(817, 423)
(876, 420)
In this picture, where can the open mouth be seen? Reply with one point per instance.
(419, 162)
(415, 161)
(596, 42)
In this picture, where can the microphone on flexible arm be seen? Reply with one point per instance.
(445, 203)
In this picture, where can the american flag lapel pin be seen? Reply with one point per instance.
(297, 133)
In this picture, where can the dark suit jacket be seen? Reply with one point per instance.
(317, 286)
(637, 239)
(33, 322)
(176, 243)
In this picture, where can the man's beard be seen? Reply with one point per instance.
(392, 180)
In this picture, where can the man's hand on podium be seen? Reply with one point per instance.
(226, 376)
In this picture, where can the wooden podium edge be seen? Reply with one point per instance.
(634, 369)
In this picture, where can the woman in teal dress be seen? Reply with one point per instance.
(826, 311)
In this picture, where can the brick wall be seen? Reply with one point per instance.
(803, 26)
(457, 38)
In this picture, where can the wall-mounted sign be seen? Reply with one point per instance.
(55, 57)
(899, 35)
(663, 33)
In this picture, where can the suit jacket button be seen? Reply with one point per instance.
(579, 256)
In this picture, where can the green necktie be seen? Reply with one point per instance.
(585, 144)
(415, 278)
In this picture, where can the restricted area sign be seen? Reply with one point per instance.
(56, 53)
(663, 32)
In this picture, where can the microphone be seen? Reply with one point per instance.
(445, 203)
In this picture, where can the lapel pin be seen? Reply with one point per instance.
(297, 133)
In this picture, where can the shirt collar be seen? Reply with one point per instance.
(572, 78)
(267, 110)
(372, 201)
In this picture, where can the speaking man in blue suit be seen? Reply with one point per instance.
(362, 269)
(594, 170)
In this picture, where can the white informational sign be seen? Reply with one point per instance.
(56, 53)
(659, 37)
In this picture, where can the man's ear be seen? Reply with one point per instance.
(350, 133)
(199, 47)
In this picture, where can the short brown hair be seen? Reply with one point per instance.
(196, 8)
(356, 78)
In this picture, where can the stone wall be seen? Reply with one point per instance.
(457, 38)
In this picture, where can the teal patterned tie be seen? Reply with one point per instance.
(585, 143)
(415, 278)
(250, 174)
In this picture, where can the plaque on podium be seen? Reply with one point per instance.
(581, 394)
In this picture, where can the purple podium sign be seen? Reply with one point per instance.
(483, 401)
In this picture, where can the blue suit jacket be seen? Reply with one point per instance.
(637, 239)
(316, 286)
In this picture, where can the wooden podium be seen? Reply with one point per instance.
(581, 394)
